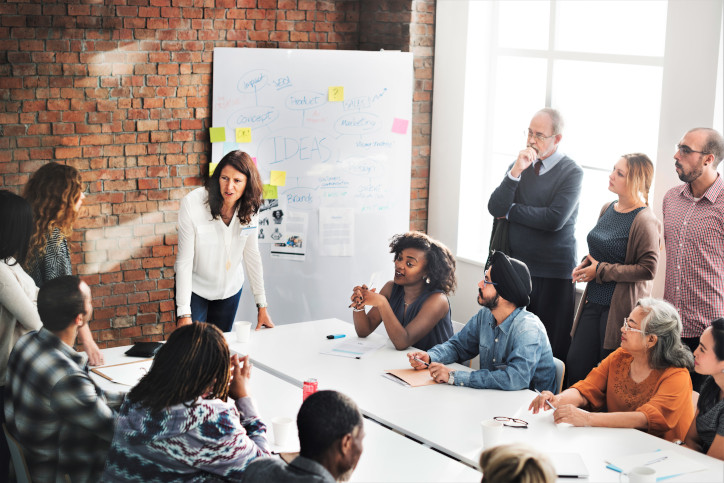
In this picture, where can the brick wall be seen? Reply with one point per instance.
(122, 92)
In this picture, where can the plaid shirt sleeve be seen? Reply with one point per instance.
(77, 400)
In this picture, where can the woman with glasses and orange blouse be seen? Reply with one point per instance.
(644, 384)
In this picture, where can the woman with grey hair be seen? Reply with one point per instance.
(644, 384)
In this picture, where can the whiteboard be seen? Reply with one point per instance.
(353, 153)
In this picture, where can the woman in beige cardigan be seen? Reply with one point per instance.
(620, 267)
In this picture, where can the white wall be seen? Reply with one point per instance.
(456, 164)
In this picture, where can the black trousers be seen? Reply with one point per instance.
(587, 345)
(696, 378)
(553, 301)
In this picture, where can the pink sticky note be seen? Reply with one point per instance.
(399, 126)
(254, 159)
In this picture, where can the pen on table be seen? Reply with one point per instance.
(335, 336)
(547, 401)
(655, 460)
(421, 361)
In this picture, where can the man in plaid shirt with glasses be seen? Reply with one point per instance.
(60, 417)
(694, 236)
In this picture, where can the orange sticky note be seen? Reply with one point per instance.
(336, 93)
(243, 134)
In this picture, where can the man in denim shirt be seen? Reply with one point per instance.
(514, 349)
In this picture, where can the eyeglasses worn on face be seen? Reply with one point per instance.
(512, 422)
(538, 136)
(628, 328)
(485, 282)
(686, 150)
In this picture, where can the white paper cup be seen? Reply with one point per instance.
(243, 330)
(283, 428)
(492, 430)
(642, 474)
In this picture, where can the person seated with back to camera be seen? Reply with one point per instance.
(515, 463)
(176, 423)
(644, 384)
(331, 430)
(413, 307)
(514, 349)
(706, 433)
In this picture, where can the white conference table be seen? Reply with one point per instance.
(387, 455)
(444, 417)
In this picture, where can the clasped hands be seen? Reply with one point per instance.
(586, 270)
(563, 413)
(438, 372)
(362, 295)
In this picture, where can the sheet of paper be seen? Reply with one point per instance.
(667, 463)
(127, 374)
(336, 231)
(412, 377)
(217, 134)
(265, 220)
(290, 241)
(353, 348)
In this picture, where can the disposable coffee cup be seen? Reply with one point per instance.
(283, 428)
(243, 331)
(492, 430)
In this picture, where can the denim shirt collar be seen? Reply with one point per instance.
(507, 323)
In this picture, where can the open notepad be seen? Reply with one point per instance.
(409, 377)
(354, 348)
(128, 373)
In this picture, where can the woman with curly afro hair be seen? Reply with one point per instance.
(413, 306)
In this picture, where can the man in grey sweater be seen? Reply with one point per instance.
(539, 197)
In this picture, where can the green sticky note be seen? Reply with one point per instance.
(243, 134)
(336, 93)
(212, 168)
(270, 192)
(217, 134)
(278, 178)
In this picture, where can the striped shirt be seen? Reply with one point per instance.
(694, 236)
(56, 412)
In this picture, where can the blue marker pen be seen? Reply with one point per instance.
(335, 336)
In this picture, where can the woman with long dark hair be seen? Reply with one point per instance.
(176, 423)
(413, 307)
(18, 293)
(706, 433)
(55, 192)
(217, 233)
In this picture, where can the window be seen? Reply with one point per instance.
(601, 63)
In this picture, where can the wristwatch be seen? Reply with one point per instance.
(451, 379)
(261, 306)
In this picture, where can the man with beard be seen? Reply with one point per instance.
(331, 431)
(694, 236)
(539, 198)
(512, 342)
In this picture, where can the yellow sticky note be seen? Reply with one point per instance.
(212, 168)
(243, 134)
(217, 134)
(278, 178)
(336, 93)
(269, 192)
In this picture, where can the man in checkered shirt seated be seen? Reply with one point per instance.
(62, 420)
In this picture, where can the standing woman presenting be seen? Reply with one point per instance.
(217, 231)
(620, 267)
(55, 192)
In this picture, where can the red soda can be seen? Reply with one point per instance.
(309, 388)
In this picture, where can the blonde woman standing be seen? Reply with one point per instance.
(619, 268)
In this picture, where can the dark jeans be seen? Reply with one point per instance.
(696, 378)
(220, 313)
(553, 301)
(587, 345)
(4, 450)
